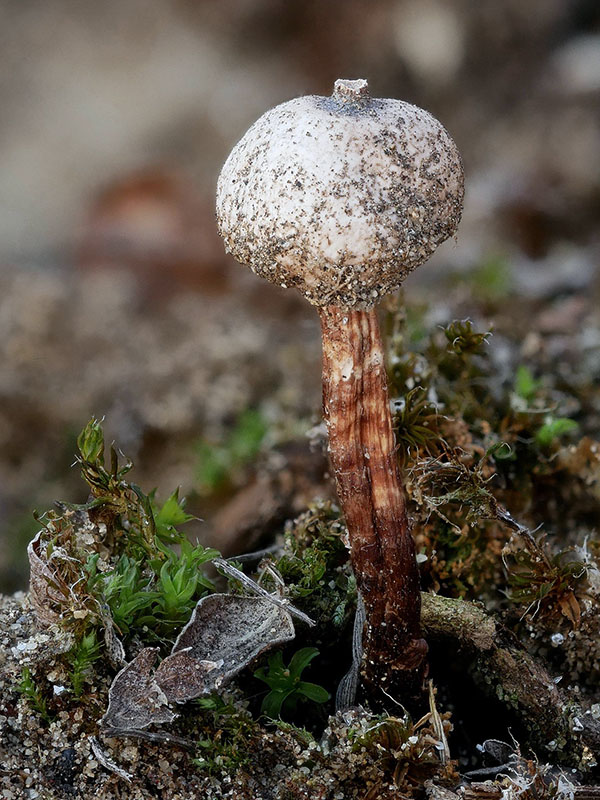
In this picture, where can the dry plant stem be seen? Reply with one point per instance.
(363, 456)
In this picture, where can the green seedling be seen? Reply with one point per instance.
(526, 386)
(286, 684)
(125, 590)
(181, 583)
(83, 656)
(169, 516)
(554, 428)
(32, 692)
(159, 595)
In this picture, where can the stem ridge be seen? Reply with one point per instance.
(363, 455)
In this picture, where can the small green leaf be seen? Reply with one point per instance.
(553, 429)
(313, 692)
(526, 386)
(273, 703)
(169, 516)
(301, 660)
(285, 684)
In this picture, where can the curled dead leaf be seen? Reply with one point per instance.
(234, 629)
(569, 605)
(135, 700)
(44, 582)
(225, 633)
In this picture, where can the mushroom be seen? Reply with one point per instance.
(341, 197)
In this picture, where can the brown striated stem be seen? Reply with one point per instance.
(362, 451)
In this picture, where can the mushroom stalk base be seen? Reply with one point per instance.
(363, 455)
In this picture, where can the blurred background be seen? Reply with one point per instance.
(116, 298)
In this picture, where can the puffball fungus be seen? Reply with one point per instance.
(341, 197)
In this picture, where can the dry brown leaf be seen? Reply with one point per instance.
(570, 608)
(43, 583)
(135, 700)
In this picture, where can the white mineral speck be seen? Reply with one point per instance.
(557, 639)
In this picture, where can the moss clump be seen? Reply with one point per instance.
(315, 567)
(364, 755)
(226, 736)
(486, 439)
(34, 695)
(119, 561)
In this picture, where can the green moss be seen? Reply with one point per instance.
(228, 736)
(473, 446)
(122, 556)
(316, 569)
(82, 657)
(34, 695)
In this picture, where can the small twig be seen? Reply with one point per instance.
(254, 587)
(149, 736)
(345, 696)
(536, 551)
(255, 555)
(438, 726)
(504, 671)
(107, 762)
